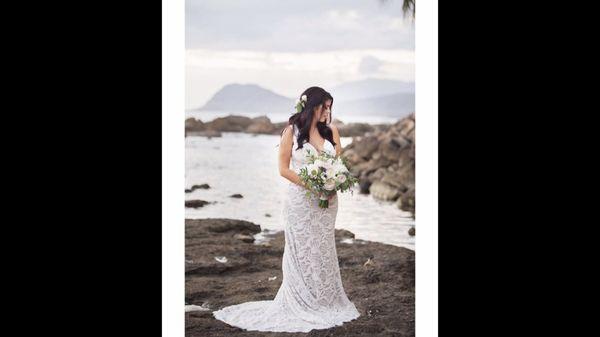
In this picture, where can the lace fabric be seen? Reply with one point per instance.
(311, 295)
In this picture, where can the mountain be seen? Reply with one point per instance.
(248, 98)
(370, 88)
(382, 98)
(396, 105)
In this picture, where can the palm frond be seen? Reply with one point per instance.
(408, 6)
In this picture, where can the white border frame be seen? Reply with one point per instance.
(173, 167)
(426, 216)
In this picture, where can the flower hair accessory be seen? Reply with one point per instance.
(301, 103)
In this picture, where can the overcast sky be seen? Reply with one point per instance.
(287, 46)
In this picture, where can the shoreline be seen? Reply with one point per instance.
(263, 125)
(225, 266)
(381, 156)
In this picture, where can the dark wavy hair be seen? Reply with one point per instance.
(315, 96)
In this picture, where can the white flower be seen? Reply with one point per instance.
(329, 185)
(303, 98)
(340, 167)
(313, 170)
(321, 163)
(341, 178)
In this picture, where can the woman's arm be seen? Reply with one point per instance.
(336, 139)
(285, 154)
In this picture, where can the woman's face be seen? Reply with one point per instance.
(324, 111)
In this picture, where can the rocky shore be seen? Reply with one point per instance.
(384, 161)
(263, 125)
(232, 123)
(225, 265)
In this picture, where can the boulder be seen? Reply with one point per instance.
(195, 203)
(383, 191)
(230, 123)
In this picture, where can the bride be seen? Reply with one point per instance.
(311, 295)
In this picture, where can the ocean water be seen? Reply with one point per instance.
(248, 164)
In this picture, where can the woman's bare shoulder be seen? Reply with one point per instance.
(287, 132)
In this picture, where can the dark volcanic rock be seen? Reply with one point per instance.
(230, 123)
(192, 124)
(383, 289)
(384, 161)
(195, 187)
(195, 203)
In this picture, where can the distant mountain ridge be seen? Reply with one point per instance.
(371, 96)
(369, 88)
(397, 105)
(248, 97)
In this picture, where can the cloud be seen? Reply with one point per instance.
(287, 46)
(288, 73)
(348, 15)
(328, 62)
(369, 65)
(297, 26)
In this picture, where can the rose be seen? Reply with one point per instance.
(321, 163)
(329, 185)
(330, 173)
(303, 98)
(341, 178)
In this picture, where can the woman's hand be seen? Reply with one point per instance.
(329, 197)
(315, 192)
(320, 194)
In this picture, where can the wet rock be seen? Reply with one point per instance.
(355, 129)
(205, 133)
(382, 291)
(366, 146)
(195, 187)
(237, 195)
(384, 191)
(244, 237)
(231, 123)
(364, 184)
(341, 234)
(406, 202)
(195, 203)
(352, 157)
(192, 124)
(278, 128)
(261, 125)
(384, 161)
(228, 225)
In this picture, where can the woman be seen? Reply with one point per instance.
(311, 295)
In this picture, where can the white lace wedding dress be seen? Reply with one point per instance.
(311, 295)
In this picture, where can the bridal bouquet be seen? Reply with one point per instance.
(326, 174)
